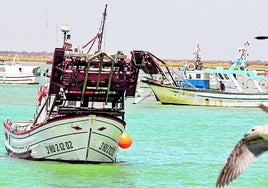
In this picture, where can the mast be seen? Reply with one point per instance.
(99, 35)
(198, 63)
(101, 29)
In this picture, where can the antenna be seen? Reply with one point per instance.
(65, 29)
(243, 50)
(46, 27)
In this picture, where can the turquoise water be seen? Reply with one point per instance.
(173, 146)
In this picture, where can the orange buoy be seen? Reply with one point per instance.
(125, 141)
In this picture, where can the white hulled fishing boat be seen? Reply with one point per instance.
(242, 87)
(80, 112)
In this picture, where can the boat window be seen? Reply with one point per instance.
(2, 69)
(220, 75)
(226, 76)
(198, 75)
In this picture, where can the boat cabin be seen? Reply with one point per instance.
(196, 78)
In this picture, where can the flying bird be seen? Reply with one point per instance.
(252, 145)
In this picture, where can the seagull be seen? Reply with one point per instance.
(254, 143)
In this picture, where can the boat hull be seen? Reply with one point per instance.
(18, 74)
(90, 139)
(202, 97)
(19, 80)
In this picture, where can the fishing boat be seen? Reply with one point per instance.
(243, 88)
(235, 79)
(80, 111)
(16, 73)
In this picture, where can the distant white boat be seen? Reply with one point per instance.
(16, 73)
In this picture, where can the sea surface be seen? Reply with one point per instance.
(173, 146)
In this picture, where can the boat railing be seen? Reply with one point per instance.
(96, 72)
(21, 127)
(87, 79)
(87, 110)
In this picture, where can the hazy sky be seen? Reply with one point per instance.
(168, 29)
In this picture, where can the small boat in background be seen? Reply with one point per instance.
(16, 73)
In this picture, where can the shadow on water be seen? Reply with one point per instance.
(60, 174)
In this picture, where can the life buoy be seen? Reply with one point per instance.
(190, 67)
(41, 93)
(265, 73)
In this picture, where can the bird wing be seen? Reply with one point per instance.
(243, 154)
